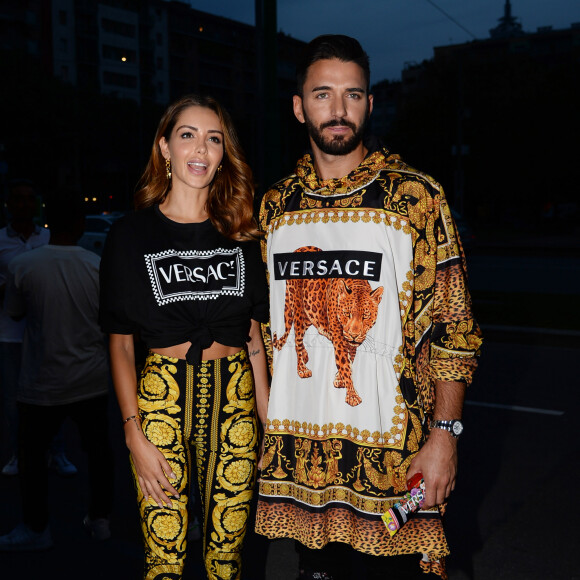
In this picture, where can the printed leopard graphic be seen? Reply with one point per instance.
(341, 309)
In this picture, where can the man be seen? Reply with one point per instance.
(64, 371)
(19, 236)
(372, 337)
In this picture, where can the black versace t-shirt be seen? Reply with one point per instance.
(172, 283)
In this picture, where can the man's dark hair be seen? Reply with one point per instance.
(329, 46)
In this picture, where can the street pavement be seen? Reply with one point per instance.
(510, 517)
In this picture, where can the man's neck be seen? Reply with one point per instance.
(337, 166)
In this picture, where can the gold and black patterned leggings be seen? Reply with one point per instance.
(206, 410)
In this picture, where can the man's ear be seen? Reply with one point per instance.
(164, 148)
(297, 105)
(370, 104)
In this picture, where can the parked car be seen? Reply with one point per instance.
(96, 229)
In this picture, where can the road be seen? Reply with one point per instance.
(508, 518)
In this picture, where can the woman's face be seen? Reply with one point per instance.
(195, 148)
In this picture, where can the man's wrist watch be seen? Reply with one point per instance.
(455, 427)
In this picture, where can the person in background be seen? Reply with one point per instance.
(64, 372)
(372, 335)
(20, 235)
(184, 273)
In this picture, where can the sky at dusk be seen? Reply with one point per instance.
(396, 32)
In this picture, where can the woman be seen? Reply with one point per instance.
(184, 274)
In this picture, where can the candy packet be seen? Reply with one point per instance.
(412, 501)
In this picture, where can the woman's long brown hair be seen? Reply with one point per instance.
(231, 193)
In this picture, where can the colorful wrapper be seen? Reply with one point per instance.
(412, 501)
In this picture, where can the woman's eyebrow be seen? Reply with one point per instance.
(196, 129)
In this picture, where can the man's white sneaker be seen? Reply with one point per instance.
(62, 465)
(99, 529)
(11, 468)
(22, 538)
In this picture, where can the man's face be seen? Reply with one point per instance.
(334, 106)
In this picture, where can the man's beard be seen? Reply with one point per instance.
(339, 144)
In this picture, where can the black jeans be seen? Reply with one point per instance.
(342, 562)
(37, 427)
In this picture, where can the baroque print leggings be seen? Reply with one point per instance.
(203, 413)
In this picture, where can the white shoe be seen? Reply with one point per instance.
(22, 538)
(62, 465)
(11, 468)
(99, 529)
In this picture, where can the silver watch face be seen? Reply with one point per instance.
(457, 428)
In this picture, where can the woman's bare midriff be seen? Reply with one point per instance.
(216, 350)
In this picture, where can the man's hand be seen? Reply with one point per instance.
(437, 461)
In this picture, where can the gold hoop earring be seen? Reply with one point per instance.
(219, 169)
(168, 168)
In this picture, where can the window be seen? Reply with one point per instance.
(119, 54)
(120, 80)
(117, 27)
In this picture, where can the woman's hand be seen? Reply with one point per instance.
(151, 466)
(153, 471)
